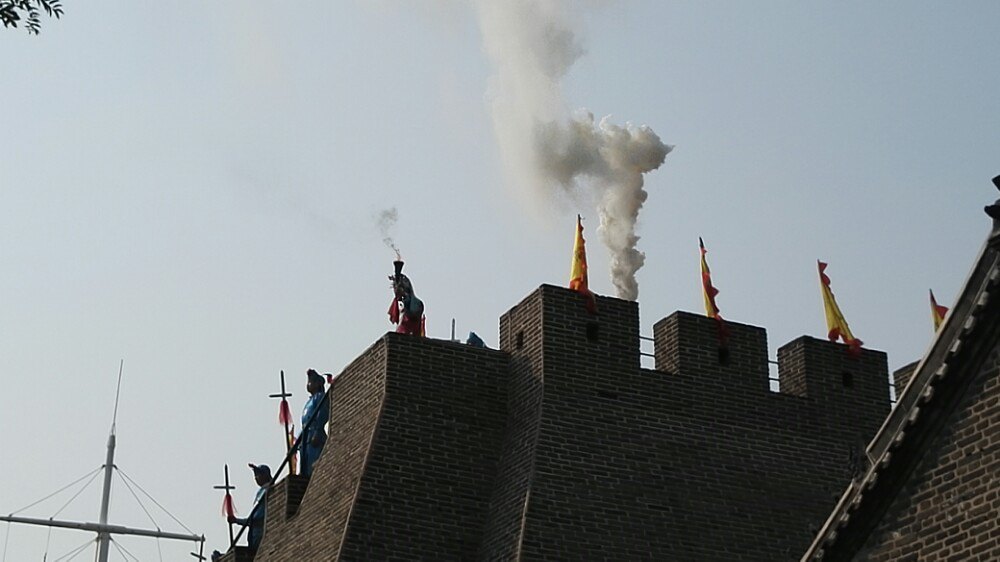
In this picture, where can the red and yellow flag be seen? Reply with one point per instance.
(578, 269)
(938, 312)
(835, 321)
(709, 292)
(707, 289)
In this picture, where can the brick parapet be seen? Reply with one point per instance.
(844, 385)
(521, 337)
(641, 464)
(239, 554)
(317, 530)
(426, 488)
(562, 446)
(415, 434)
(901, 376)
(686, 342)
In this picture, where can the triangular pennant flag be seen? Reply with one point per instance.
(578, 269)
(938, 312)
(710, 292)
(836, 324)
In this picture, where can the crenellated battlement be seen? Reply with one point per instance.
(554, 319)
(560, 445)
(689, 343)
(699, 439)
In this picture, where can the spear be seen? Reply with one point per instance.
(292, 463)
(284, 415)
(228, 509)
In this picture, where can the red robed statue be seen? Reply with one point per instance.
(406, 309)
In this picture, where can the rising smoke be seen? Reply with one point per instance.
(533, 44)
(385, 221)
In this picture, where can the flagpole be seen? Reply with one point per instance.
(231, 539)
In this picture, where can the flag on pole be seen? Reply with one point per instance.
(578, 268)
(228, 509)
(835, 322)
(709, 292)
(938, 312)
(284, 413)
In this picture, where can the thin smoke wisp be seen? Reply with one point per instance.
(385, 221)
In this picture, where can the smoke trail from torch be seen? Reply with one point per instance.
(385, 221)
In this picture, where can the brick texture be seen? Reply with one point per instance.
(949, 508)
(560, 446)
(901, 376)
(521, 335)
(415, 433)
(698, 463)
(316, 532)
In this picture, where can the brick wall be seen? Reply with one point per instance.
(425, 491)
(852, 391)
(316, 531)
(415, 434)
(561, 446)
(949, 508)
(901, 376)
(521, 337)
(699, 463)
(689, 343)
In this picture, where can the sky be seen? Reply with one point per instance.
(194, 188)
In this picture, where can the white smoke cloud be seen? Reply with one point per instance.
(385, 221)
(614, 158)
(533, 44)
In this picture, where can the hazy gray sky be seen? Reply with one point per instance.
(194, 187)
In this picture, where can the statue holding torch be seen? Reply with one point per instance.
(406, 309)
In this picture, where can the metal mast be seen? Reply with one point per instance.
(103, 529)
(103, 537)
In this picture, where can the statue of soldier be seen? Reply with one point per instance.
(315, 416)
(255, 522)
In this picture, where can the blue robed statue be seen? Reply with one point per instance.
(315, 416)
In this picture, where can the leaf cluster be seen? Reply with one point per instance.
(28, 13)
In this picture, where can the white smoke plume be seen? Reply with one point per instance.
(385, 221)
(533, 44)
(614, 158)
